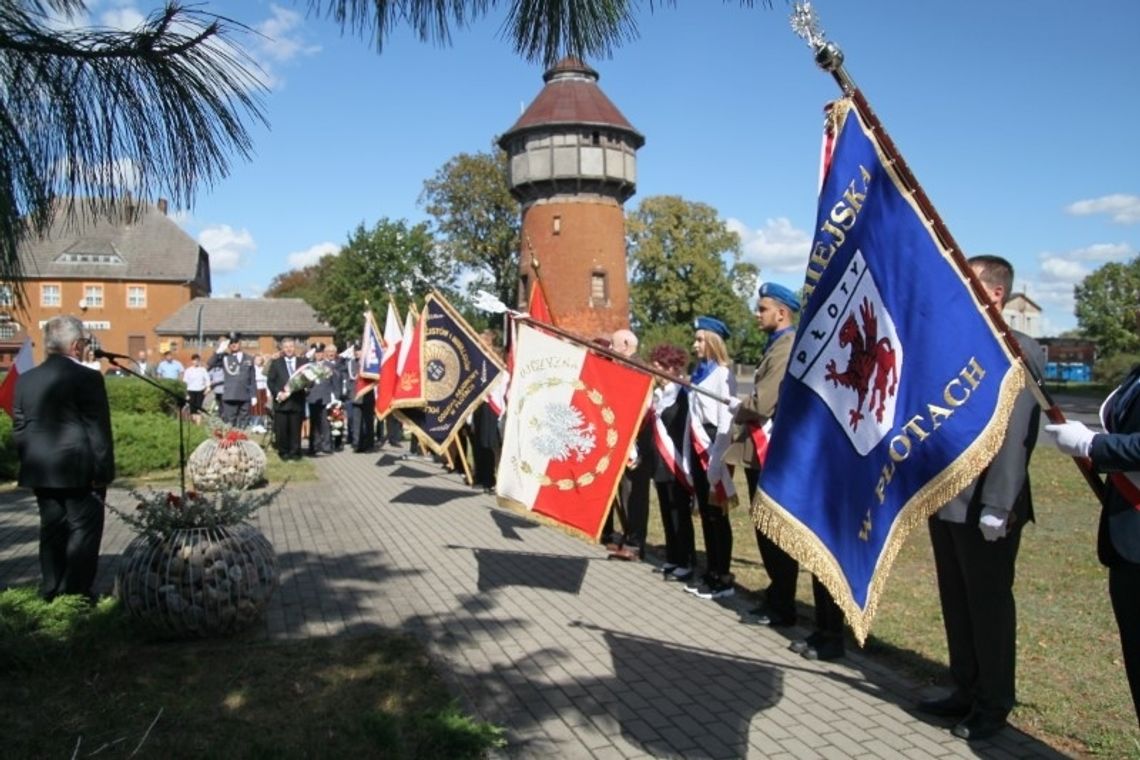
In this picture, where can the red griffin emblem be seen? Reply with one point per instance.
(867, 356)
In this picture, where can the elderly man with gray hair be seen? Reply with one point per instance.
(62, 429)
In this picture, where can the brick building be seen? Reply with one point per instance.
(121, 277)
(573, 163)
(197, 326)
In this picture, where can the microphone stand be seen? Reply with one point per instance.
(182, 402)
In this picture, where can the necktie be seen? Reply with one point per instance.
(289, 365)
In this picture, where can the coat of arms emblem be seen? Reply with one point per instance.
(850, 355)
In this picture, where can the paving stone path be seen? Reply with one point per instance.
(576, 656)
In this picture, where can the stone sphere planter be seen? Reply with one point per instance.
(226, 464)
(198, 581)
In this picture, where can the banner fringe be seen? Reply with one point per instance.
(771, 519)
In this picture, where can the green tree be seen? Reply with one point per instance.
(303, 283)
(479, 221)
(91, 117)
(684, 262)
(1106, 307)
(390, 258)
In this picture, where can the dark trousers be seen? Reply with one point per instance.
(71, 529)
(235, 413)
(828, 615)
(634, 494)
(319, 438)
(394, 430)
(715, 527)
(363, 424)
(677, 521)
(287, 432)
(975, 586)
(351, 420)
(1124, 591)
(783, 571)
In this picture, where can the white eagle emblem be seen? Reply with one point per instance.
(561, 432)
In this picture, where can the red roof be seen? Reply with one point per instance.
(572, 96)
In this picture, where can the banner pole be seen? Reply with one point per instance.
(829, 57)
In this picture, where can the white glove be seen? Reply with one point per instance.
(1072, 438)
(734, 404)
(992, 523)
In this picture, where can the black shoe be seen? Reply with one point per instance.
(763, 616)
(978, 726)
(800, 646)
(952, 706)
(825, 650)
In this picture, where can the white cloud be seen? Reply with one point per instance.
(311, 255)
(125, 18)
(1052, 289)
(777, 247)
(1121, 208)
(279, 41)
(226, 246)
(1056, 269)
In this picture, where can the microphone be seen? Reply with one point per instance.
(101, 354)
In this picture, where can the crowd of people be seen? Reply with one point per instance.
(695, 431)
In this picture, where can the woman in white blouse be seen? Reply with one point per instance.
(710, 429)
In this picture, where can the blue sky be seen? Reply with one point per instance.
(1017, 117)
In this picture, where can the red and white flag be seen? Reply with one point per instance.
(572, 417)
(389, 356)
(409, 390)
(23, 362)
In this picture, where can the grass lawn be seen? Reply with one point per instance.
(76, 682)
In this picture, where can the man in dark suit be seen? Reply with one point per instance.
(975, 538)
(62, 429)
(288, 405)
(1117, 453)
(320, 395)
(239, 380)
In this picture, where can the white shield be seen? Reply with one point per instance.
(851, 357)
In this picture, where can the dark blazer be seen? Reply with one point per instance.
(62, 426)
(239, 379)
(275, 380)
(1119, 451)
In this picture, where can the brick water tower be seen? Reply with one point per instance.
(573, 163)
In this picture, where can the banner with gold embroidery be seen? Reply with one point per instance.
(898, 391)
(458, 371)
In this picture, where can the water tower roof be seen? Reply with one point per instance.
(572, 97)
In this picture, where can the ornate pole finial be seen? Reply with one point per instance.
(828, 56)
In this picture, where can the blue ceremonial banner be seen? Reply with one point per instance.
(459, 371)
(898, 391)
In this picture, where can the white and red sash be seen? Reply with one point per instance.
(672, 458)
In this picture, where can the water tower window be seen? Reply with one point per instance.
(595, 137)
(524, 285)
(598, 288)
(557, 226)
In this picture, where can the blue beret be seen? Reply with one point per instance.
(712, 324)
(779, 293)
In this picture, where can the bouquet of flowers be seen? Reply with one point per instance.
(306, 377)
(159, 514)
(337, 423)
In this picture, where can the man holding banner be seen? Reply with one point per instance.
(975, 538)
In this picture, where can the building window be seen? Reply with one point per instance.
(557, 225)
(9, 330)
(49, 295)
(524, 295)
(5, 295)
(598, 288)
(93, 296)
(136, 296)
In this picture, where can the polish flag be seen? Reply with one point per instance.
(22, 363)
(389, 355)
(409, 390)
(571, 421)
(538, 306)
